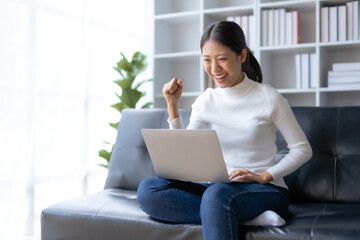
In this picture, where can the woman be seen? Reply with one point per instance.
(245, 115)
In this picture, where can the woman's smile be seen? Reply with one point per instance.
(220, 78)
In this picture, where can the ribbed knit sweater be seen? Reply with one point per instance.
(245, 118)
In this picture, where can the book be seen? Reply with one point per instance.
(271, 27)
(245, 27)
(237, 19)
(264, 32)
(282, 21)
(344, 74)
(298, 70)
(348, 80)
(345, 85)
(355, 20)
(352, 66)
(288, 28)
(276, 27)
(305, 70)
(313, 71)
(295, 18)
(349, 21)
(252, 33)
(324, 24)
(342, 23)
(230, 19)
(333, 24)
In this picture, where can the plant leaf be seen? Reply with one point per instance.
(124, 83)
(147, 105)
(119, 106)
(130, 97)
(103, 165)
(119, 70)
(105, 154)
(124, 64)
(114, 125)
(141, 83)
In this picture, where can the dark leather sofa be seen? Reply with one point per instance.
(325, 192)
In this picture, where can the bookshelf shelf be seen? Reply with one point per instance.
(179, 25)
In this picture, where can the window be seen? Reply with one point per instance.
(56, 59)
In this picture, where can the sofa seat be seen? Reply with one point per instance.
(314, 221)
(109, 214)
(115, 212)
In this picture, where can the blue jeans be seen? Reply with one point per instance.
(217, 206)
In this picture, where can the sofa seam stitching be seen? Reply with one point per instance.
(313, 224)
(96, 214)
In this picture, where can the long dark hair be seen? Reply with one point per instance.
(231, 35)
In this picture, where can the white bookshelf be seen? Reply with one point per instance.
(179, 25)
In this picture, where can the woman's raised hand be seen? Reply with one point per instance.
(172, 92)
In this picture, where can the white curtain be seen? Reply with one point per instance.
(56, 59)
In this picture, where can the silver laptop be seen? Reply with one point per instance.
(188, 155)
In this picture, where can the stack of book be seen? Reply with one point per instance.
(340, 23)
(344, 75)
(280, 27)
(306, 75)
(247, 24)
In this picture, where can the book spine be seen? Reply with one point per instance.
(264, 32)
(349, 20)
(271, 27)
(252, 33)
(344, 74)
(237, 19)
(344, 85)
(276, 27)
(282, 26)
(344, 80)
(324, 24)
(333, 27)
(346, 66)
(245, 27)
(342, 23)
(355, 20)
(313, 73)
(288, 27)
(295, 27)
(298, 70)
(230, 19)
(305, 73)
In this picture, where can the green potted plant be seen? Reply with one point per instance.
(129, 95)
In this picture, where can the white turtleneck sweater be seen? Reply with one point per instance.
(245, 118)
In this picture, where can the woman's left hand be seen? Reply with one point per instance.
(246, 175)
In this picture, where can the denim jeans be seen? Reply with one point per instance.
(217, 206)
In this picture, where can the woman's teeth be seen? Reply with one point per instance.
(220, 76)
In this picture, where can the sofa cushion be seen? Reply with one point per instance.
(130, 162)
(111, 214)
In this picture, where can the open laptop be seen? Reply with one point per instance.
(188, 155)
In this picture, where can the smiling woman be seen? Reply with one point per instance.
(56, 86)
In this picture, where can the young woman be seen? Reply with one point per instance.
(245, 115)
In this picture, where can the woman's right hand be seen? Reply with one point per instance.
(172, 92)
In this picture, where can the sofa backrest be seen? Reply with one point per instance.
(130, 162)
(331, 175)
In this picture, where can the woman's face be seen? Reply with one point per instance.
(222, 64)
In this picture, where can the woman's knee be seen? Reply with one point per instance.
(215, 199)
(148, 187)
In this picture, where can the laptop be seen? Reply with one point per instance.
(187, 155)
